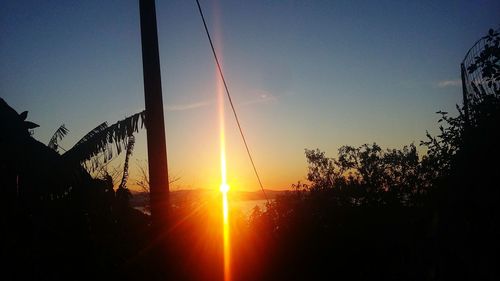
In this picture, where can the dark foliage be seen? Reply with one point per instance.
(57, 221)
(378, 214)
(369, 176)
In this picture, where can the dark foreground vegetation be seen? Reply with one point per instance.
(378, 214)
(369, 214)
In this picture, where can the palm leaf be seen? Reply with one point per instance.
(101, 139)
(57, 136)
(94, 132)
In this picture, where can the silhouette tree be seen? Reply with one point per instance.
(467, 202)
(55, 217)
(390, 214)
(369, 175)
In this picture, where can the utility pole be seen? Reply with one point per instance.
(155, 127)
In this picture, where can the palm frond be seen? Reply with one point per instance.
(101, 139)
(57, 136)
(94, 132)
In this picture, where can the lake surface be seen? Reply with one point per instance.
(246, 206)
(243, 206)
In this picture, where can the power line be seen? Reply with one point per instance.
(230, 100)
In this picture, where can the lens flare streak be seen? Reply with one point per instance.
(224, 187)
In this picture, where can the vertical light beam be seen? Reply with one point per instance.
(224, 187)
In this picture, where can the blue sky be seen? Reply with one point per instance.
(303, 74)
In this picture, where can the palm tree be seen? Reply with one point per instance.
(30, 167)
(104, 140)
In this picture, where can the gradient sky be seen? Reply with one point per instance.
(303, 74)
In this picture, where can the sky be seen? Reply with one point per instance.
(302, 74)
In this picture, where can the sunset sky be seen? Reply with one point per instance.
(303, 74)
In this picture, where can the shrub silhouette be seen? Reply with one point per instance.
(389, 214)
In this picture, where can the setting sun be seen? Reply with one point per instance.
(224, 188)
(249, 140)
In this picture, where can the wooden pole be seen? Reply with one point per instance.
(155, 127)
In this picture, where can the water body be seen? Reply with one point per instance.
(246, 206)
(243, 206)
